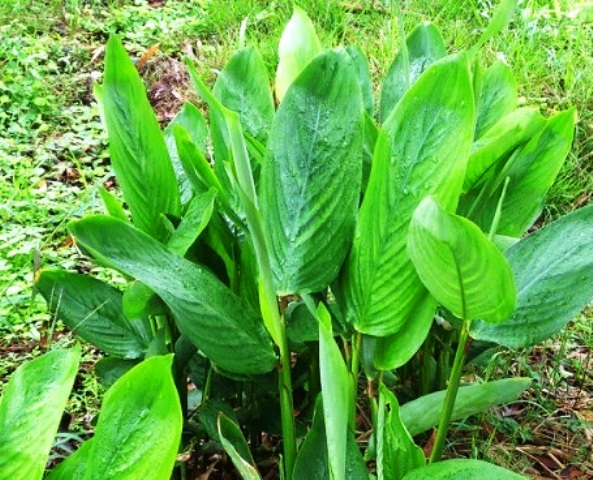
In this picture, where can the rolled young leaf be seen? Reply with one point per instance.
(460, 266)
(207, 313)
(462, 468)
(136, 145)
(30, 411)
(310, 182)
(553, 269)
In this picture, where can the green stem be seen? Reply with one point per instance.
(451, 394)
(286, 404)
(426, 357)
(354, 368)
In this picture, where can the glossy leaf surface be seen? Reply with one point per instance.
(462, 468)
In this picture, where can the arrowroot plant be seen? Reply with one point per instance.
(256, 239)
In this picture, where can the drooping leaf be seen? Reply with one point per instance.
(462, 468)
(243, 86)
(236, 446)
(136, 145)
(207, 313)
(496, 98)
(424, 413)
(139, 428)
(335, 384)
(553, 269)
(74, 467)
(30, 411)
(361, 64)
(422, 150)
(312, 461)
(425, 46)
(310, 182)
(460, 266)
(93, 309)
(298, 45)
(397, 453)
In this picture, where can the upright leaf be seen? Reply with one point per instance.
(136, 145)
(139, 429)
(422, 150)
(298, 45)
(30, 411)
(500, 18)
(425, 46)
(553, 269)
(74, 467)
(462, 468)
(235, 445)
(310, 183)
(207, 313)
(364, 77)
(460, 266)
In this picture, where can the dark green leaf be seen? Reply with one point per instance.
(109, 369)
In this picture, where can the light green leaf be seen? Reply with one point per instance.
(460, 266)
(235, 445)
(298, 45)
(361, 64)
(422, 150)
(397, 453)
(425, 46)
(139, 428)
(424, 413)
(462, 468)
(553, 269)
(74, 467)
(207, 313)
(136, 145)
(500, 19)
(93, 309)
(310, 182)
(497, 96)
(335, 384)
(112, 205)
(30, 411)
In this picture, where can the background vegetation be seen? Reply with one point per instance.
(53, 156)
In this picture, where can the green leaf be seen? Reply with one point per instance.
(112, 205)
(500, 19)
(397, 453)
(425, 46)
(234, 443)
(136, 145)
(460, 266)
(422, 150)
(424, 413)
(553, 269)
(243, 86)
(497, 96)
(30, 411)
(139, 301)
(335, 384)
(206, 312)
(109, 369)
(462, 468)
(139, 428)
(312, 461)
(361, 64)
(310, 182)
(93, 309)
(74, 467)
(499, 141)
(298, 45)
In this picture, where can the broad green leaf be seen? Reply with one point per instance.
(136, 145)
(93, 309)
(497, 96)
(361, 64)
(422, 150)
(236, 446)
(424, 413)
(425, 46)
(139, 301)
(298, 45)
(139, 428)
(553, 269)
(74, 467)
(112, 205)
(206, 312)
(371, 132)
(335, 384)
(500, 19)
(499, 141)
(531, 173)
(30, 411)
(310, 182)
(312, 461)
(462, 468)
(190, 118)
(109, 369)
(460, 266)
(198, 214)
(397, 453)
(243, 86)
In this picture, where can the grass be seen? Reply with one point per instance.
(53, 156)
